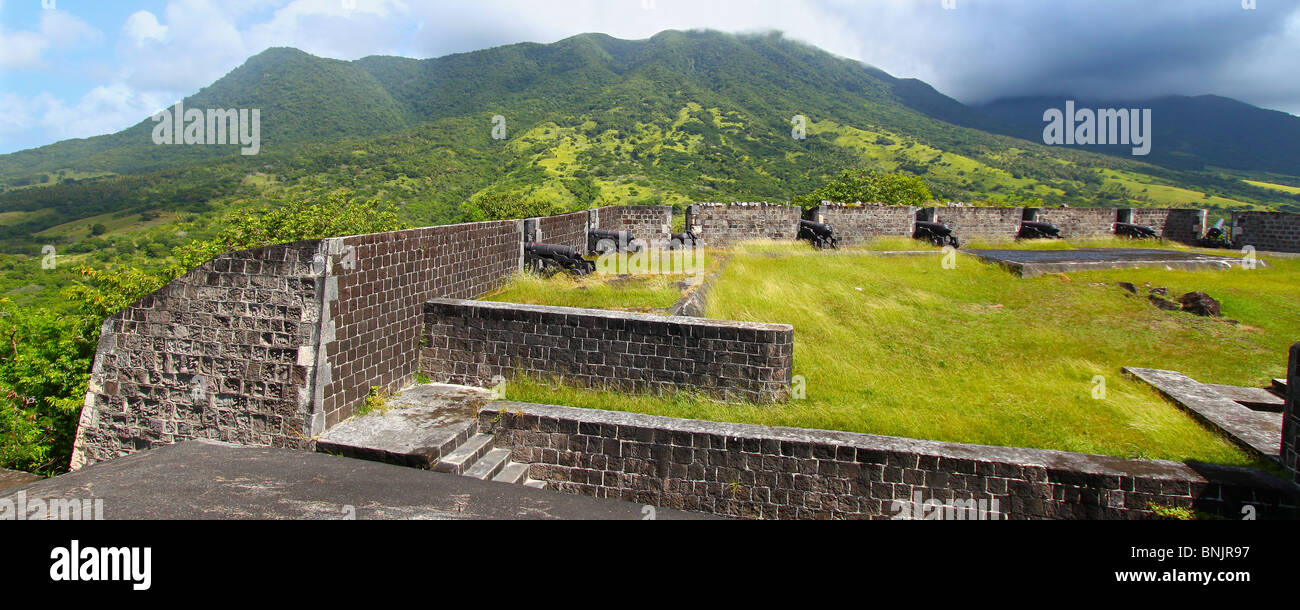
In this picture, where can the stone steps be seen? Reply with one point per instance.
(431, 427)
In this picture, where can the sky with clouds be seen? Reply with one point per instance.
(78, 68)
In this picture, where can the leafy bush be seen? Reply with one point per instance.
(870, 187)
(507, 206)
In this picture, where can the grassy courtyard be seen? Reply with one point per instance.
(902, 346)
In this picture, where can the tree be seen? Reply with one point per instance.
(870, 187)
(506, 206)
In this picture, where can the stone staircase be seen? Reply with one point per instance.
(429, 426)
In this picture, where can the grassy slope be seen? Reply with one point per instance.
(977, 355)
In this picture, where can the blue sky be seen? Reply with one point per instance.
(86, 67)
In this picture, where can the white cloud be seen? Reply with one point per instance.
(143, 26)
(57, 31)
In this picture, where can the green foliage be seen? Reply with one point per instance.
(870, 187)
(507, 206)
(44, 358)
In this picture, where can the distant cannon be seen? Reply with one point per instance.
(1132, 231)
(1216, 237)
(601, 242)
(820, 234)
(936, 233)
(558, 258)
(682, 240)
(1038, 230)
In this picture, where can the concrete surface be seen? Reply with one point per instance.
(1257, 431)
(16, 478)
(1032, 263)
(422, 424)
(210, 480)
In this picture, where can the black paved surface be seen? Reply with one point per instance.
(203, 480)
(1030, 263)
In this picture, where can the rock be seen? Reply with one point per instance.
(1201, 304)
(1164, 303)
(1127, 286)
(1160, 290)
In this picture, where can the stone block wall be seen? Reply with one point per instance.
(1267, 231)
(563, 230)
(1291, 418)
(272, 346)
(470, 342)
(652, 223)
(1181, 225)
(221, 353)
(374, 311)
(855, 224)
(723, 224)
(1081, 222)
(980, 223)
(765, 472)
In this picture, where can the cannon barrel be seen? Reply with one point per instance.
(685, 239)
(936, 233)
(1031, 229)
(820, 234)
(553, 256)
(1135, 231)
(598, 241)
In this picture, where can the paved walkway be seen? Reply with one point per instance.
(208, 480)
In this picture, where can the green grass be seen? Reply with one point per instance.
(904, 347)
(621, 292)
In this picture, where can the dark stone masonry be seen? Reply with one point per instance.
(1186, 226)
(1076, 223)
(563, 230)
(719, 225)
(1267, 231)
(856, 224)
(765, 472)
(470, 342)
(652, 223)
(979, 223)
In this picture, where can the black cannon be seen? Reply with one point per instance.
(936, 233)
(1132, 231)
(600, 242)
(820, 234)
(554, 259)
(1030, 229)
(682, 240)
(1216, 237)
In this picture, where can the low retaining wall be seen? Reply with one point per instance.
(470, 342)
(722, 224)
(1186, 226)
(1081, 222)
(980, 223)
(1291, 418)
(1267, 231)
(787, 473)
(652, 223)
(854, 224)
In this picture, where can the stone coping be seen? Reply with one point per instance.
(613, 315)
(1160, 470)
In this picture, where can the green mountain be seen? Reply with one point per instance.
(678, 118)
(1196, 133)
